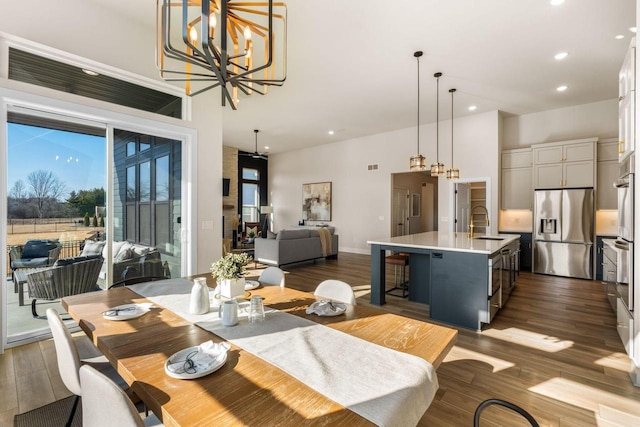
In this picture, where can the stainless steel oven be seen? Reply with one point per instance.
(624, 242)
(626, 189)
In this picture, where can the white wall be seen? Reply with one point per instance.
(361, 208)
(598, 119)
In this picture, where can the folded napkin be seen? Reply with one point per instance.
(327, 308)
(204, 357)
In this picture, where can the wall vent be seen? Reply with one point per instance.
(372, 167)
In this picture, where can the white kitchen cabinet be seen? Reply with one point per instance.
(626, 103)
(608, 170)
(569, 164)
(625, 326)
(517, 191)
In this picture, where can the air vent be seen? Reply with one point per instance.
(372, 167)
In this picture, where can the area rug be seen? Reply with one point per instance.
(53, 414)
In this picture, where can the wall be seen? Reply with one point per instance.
(598, 119)
(361, 207)
(230, 202)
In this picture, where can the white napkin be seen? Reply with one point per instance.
(326, 308)
(208, 354)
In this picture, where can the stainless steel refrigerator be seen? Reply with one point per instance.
(563, 229)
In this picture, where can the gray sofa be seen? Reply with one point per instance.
(293, 245)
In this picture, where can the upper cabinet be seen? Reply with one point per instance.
(626, 103)
(608, 168)
(569, 164)
(517, 192)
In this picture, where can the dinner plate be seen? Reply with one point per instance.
(182, 355)
(246, 295)
(126, 311)
(327, 308)
(251, 284)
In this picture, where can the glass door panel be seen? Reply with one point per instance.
(146, 206)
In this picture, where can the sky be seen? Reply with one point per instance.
(77, 160)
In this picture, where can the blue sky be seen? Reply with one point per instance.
(76, 159)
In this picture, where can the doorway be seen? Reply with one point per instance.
(470, 199)
(414, 203)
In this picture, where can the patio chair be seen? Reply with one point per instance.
(61, 281)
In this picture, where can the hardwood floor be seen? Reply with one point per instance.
(553, 350)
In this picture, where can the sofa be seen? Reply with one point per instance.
(294, 245)
(129, 260)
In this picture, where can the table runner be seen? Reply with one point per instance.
(385, 386)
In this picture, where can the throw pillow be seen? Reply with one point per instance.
(37, 249)
(271, 234)
(92, 248)
(252, 229)
(124, 255)
(140, 251)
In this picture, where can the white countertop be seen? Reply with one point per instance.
(448, 241)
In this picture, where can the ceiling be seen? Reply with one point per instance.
(351, 67)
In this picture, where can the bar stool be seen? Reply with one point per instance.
(399, 260)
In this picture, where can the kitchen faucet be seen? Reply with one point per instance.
(486, 212)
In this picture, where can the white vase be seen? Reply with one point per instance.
(199, 303)
(231, 288)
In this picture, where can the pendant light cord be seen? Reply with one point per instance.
(418, 55)
(437, 76)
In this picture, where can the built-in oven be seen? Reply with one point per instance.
(624, 243)
(626, 189)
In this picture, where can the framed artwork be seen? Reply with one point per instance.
(316, 201)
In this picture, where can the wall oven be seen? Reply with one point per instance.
(624, 243)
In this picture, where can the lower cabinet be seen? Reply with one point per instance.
(625, 326)
(600, 260)
(526, 249)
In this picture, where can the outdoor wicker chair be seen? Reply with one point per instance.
(61, 281)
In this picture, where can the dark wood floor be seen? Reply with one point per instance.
(553, 350)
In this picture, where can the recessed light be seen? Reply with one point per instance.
(556, 2)
(331, 132)
(90, 72)
(633, 29)
(619, 37)
(472, 108)
(562, 88)
(561, 55)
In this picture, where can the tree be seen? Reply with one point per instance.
(95, 221)
(45, 188)
(18, 191)
(85, 200)
(101, 222)
(85, 220)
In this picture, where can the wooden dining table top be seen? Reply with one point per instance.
(246, 390)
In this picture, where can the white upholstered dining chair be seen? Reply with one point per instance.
(272, 276)
(104, 404)
(336, 290)
(69, 360)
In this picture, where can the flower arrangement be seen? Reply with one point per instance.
(230, 266)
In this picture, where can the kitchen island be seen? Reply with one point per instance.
(463, 280)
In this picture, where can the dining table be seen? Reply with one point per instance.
(264, 388)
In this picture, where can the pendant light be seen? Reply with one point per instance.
(452, 173)
(418, 162)
(437, 168)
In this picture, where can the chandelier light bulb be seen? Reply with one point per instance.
(213, 21)
(193, 35)
(247, 33)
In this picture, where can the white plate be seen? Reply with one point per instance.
(251, 284)
(322, 308)
(130, 311)
(182, 355)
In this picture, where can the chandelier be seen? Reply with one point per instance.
(222, 43)
(437, 168)
(418, 162)
(452, 173)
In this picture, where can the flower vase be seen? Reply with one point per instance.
(231, 288)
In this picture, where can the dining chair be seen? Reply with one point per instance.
(104, 404)
(272, 276)
(69, 361)
(481, 407)
(336, 290)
